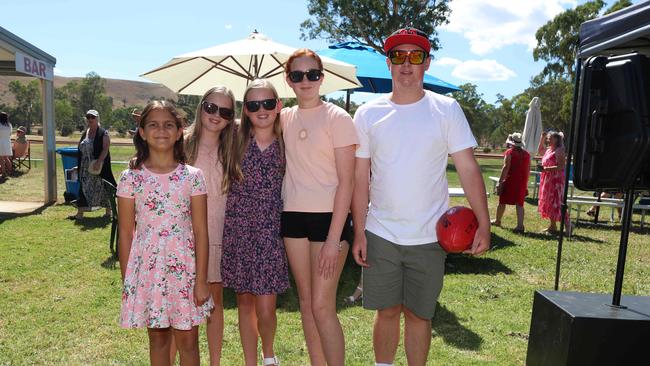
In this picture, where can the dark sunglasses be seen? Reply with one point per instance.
(254, 105)
(90, 116)
(211, 108)
(312, 75)
(415, 57)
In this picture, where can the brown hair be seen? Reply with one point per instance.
(303, 52)
(243, 136)
(141, 147)
(226, 136)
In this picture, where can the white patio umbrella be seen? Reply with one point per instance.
(533, 127)
(236, 64)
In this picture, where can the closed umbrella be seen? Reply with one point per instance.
(533, 127)
(372, 71)
(236, 64)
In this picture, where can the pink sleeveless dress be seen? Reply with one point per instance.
(551, 188)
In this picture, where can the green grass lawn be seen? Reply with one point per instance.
(60, 290)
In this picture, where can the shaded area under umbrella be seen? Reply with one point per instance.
(372, 71)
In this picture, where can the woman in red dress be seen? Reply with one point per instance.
(551, 186)
(512, 186)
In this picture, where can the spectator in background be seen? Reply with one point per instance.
(135, 114)
(513, 182)
(551, 185)
(5, 146)
(94, 164)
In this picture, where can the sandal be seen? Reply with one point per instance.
(267, 361)
(495, 223)
(352, 299)
(518, 229)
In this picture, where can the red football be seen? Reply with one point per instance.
(456, 229)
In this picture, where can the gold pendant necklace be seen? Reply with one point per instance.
(302, 134)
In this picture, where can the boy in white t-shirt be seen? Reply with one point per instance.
(404, 140)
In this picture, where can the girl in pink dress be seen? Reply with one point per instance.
(163, 239)
(551, 185)
(207, 146)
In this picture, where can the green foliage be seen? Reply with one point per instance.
(64, 117)
(188, 104)
(121, 120)
(371, 21)
(476, 110)
(28, 103)
(557, 40)
(620, 4)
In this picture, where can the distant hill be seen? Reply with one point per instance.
(123, 92)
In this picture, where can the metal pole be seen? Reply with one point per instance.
(622, 249)
(567, 171)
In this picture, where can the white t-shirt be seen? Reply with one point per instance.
(408, 145)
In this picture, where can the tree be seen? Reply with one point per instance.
(28, 102)
(476, 111)
(557, 40)
(370, 21)
(64, 116)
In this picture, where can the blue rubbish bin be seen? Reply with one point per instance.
(69, 156)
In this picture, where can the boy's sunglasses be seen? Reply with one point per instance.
(268, 104)
(211, 108)
(312, 75)
(415, 57)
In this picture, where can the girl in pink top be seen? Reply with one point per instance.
(163, 238)
(208, 145)
(320, 141)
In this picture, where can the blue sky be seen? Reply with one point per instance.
(487, 43)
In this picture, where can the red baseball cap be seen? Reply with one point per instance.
(407, 35)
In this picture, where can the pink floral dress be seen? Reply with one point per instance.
(160, 275)
(551, 188)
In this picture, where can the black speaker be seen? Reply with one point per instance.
(612, 138)
(573, 328)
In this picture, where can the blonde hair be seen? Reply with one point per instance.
(243, 135)
(226, 136)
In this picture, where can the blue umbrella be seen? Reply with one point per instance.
(372, 71)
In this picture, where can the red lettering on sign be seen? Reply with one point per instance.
(28, 65)
(41, 69)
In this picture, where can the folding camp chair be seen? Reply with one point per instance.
(21, 156)
(111, 190)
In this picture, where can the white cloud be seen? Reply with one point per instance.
(492, 25)
(481, 70)
(447, 61)
(228, 26)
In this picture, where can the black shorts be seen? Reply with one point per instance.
(311, 225)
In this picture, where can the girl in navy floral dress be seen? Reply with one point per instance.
(254, 262)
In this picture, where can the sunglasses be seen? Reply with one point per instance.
(312, 75)
(90, 116)
(211, 108)
(254, 105)
(415, 57)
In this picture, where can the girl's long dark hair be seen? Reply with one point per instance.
(141, 147)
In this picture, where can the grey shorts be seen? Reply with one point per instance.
(403, 274)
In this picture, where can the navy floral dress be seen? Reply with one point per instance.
(254, 260)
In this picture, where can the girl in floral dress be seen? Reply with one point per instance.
(551, 184)
(254, 262)
(163, 239)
